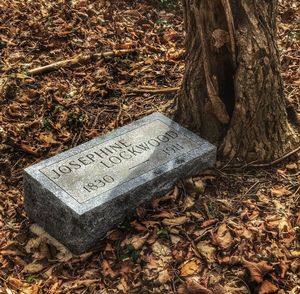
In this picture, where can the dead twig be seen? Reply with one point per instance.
(247, 192)
(268, 164)
(154, 91)
(193, 245)
(277, 160)
(79, 60)
(23, 147)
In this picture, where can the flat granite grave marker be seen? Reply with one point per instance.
(80, 194)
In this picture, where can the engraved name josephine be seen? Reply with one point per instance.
(115, 154)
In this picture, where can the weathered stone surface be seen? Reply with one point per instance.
(80, 194)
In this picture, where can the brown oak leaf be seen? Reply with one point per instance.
(177, 221)
(194, 287)
(267, 287)
(257, 270)
(189, 268)
(222, 237)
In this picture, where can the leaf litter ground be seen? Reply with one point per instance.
(224, 231)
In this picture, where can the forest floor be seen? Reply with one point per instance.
(224, 231)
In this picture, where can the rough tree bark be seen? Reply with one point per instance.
(232, 92)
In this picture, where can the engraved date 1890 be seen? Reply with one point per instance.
(98, 183)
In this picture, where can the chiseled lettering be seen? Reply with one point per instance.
(172, 134)
(123, 155)
(112, 154)
(133, 151)
(108, 150)
(95, 152)
(115, 147)
(125, 144)
(64, 169)
(101, 150)
(84, 161)
(91, 157)
(115, 159)
(74, 164)
(143, 146)
(56, 173)
(163, 138)
(106, 165)
(154, 142)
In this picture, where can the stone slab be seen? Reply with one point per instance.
(80, 194)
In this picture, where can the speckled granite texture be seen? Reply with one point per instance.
(80, 194)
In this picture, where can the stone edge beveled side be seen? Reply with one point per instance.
(81, 233)
(80, 208)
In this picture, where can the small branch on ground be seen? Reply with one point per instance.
(268, 164)
(276, 160)
(79, 60)
(23, 147)
(154, 91)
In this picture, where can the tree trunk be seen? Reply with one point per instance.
(232, 92)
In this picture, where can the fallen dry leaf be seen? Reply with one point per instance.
(284, 266)
(136, 241)
(298, 220)
(48, 138)
(15, 283)
(123, 286)
(295, 290)
(295, 265)
(139, 227)
(262, 197)
(29, 289)
(33, 268)
(247, 234)
(295, 253)
(189, 201)
(107, 270)
(197, 215)
(292, 166)
(208, 223)
(267, 288)
(222, 237)
(280, 192)
(194, 287)
(175, 221)
(235, 286)
(190, 268)
(199, 185)
(160, 249)
(87, 282)
(164, 276)
(172, 195)
(196, 184)
(63, 253)
(257, 270)
(165, 214)
(175, 239)
(175, 54)
(207, 250)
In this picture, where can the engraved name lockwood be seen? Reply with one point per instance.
(103, 167)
